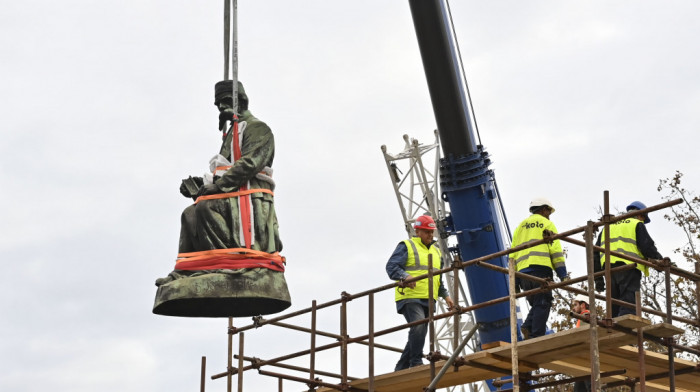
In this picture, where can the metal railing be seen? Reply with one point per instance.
(520, 381)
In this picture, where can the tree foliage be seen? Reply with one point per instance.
(684, 293)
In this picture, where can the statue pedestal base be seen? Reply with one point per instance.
(225, 293)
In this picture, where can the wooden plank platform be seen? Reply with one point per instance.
(663, 330)
(566, 352)
(631, 321)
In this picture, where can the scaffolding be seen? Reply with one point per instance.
(610, 351)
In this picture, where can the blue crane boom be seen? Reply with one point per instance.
(467, 182)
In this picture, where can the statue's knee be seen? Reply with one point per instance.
(188, 215)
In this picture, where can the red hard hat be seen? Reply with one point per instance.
(425, 222)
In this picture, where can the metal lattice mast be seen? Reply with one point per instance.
(416, 186)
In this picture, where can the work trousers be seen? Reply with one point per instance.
(413, 352)
(623, 287)
(540, 304)
(582, 386)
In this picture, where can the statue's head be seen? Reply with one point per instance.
(223, 95)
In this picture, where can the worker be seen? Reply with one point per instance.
(630, 237)
(580, 306)
(410, 258)
(539, 261)
(220, 223)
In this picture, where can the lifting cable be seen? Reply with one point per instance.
(461, 65)
(231, 32)
(471, 107)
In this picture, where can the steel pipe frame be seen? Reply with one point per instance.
(255, 361)
(640, 346)
(527, 377)
(447, 314)
(631, 331)
(370, 330)
(310, 383)
(669, 340)
(275, 360)
(203, 374)
(449, 361)
(652, 377)
(240, 361)
(423, 321)
(312, 354)
(593, 347)
(229, 369)
(344, 341)
(431, 320)
(623, 303)
(512, 299)
(332, 335)
(570, 380)
(470, 262)
(479, 261)
(675, 270)
(606, 254)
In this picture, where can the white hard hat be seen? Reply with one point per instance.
(541, 201)
(581, 298)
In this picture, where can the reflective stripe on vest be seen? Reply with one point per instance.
(530, 230)
(417, 265)
(623, 239)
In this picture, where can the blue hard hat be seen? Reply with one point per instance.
(638, 205)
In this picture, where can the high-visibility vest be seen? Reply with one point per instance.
(530, 230)
(417, 265)
(623, 239)
(585, 312)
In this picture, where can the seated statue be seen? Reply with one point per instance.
(228, 263)
(216, 223)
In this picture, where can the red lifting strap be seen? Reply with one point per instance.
(218, 262)
(244, 200)
(235, 258)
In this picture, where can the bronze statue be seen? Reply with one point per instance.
(229, 239)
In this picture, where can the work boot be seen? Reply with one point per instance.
(525, 332)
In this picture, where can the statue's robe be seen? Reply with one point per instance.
(215, 224)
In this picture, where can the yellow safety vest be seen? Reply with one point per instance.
(530, 230)
(623, 239)
(417, 265)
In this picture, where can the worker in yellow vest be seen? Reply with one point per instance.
(539, 261)
(410, 258)
(630, 237)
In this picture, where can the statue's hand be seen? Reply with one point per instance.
(190, 186)
(225, 115)
(209, 189)
(183, 189)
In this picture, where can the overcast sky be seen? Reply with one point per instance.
(106, 106)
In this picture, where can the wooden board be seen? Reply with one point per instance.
(631, 321)
(663, 330)
(570, 368)
(499, 343)
(657, 363)
(566, 352)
